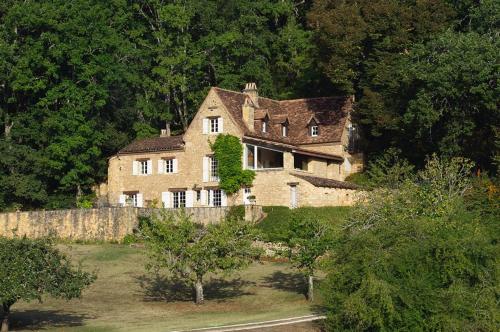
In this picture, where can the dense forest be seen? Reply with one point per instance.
(79, 79)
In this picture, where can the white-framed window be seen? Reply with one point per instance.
(215, 197)
(131, 199)
(314, 130)
(144, 167)
(179, 199)
(264, 126)
(198, 195)
(284, 130)
(214, 169)
(169, 165)
(214, 125)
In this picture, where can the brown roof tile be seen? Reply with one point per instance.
(330, 113)
(154, 144)
(327, 183)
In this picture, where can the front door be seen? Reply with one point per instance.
(293, 196)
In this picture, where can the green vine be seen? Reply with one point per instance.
(228, 152)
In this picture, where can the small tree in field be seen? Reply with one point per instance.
(31, 268)
(190, 251)
(309, 238)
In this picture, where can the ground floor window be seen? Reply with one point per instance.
(215, 197)
(131, 198)
(179, 199)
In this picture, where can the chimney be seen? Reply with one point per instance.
(165, 132)
(248, 113)
(251, 91)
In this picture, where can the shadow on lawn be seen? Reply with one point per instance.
(291, 282)
(41, 319)
(161, 288)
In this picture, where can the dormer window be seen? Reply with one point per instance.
(314, 130)
(264, 126)
(284, 129)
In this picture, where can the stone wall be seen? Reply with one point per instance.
(103, 224)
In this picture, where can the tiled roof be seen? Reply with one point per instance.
(154, 144)
(330, 113)
(324, 182)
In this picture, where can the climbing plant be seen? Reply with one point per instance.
(228, 151)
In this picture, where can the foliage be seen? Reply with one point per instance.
(424, 73)
(190, 251)
(414, 258)
(32, 268)
(228, 151)
(309, 237)
(275, 227)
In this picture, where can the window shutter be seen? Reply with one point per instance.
(175, 165)
(150, 167)
(161, 163)
(135, 167)
(203, 197)
(223, 198)
(122, 200)
(210, 198)
(206, 161)
(347, 165)
(205, 126)
(220, 124)
(139, 200)
(189, 198)
(165, 199)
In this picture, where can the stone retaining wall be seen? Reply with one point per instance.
(102, 224)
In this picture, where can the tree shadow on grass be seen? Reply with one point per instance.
(34, 320)
(163, 288)
(291, 282)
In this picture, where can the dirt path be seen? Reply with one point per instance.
(292, 324)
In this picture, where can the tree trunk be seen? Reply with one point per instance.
(5, 320)
(310, 287)
(199, 291)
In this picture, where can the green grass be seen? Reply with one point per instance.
(275, 226)
(127, 298)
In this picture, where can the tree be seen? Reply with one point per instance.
(309, 238)
(228, 151)
(32, 268)
(417, 258)
(190, 251)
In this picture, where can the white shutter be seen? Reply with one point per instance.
(203, 197)
(205, 126)
(139, 200)
(150, 167)
(220, 124)
(161, 163)
(122, 200)
(189, 198)
(210, 197)
(347, 165)
(165, 199)
(206, 161)
(223, 198)
(135, 167)
(175, 165)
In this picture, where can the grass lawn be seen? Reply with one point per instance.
(126, 297)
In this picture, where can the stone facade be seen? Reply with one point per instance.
(272, 185)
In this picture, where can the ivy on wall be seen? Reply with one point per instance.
(228, 151)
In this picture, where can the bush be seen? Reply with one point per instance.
(416, 259)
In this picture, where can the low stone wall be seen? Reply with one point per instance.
(102, 224)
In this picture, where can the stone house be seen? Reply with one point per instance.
(301, 151)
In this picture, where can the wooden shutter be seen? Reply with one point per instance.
(189, 198)
(140, 201)
(205, 126)
(161, 169)
(166, 199)
(175, 163)
(135, 167)
(122, 200)
(210, 197)
(203, 197)
(150, 166)
(223, 198)
(220, 124)
(206, 162)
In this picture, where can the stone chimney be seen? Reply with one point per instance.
(165, 132)
(251, 91)
(248, 113)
